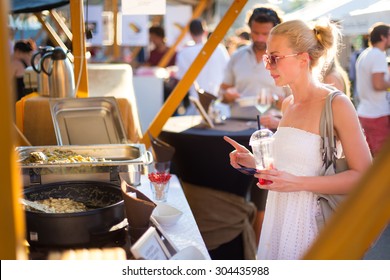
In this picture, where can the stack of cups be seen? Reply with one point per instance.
(261, 142)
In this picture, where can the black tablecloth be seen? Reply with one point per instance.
(202, 156)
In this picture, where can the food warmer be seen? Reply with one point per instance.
(94, 183)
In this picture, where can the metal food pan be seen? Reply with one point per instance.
(87, 121)
(126, 160)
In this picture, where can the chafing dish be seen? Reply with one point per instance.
(120, 160)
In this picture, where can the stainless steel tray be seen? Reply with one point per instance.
(121, 160)
(87, 121)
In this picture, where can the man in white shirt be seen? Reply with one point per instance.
(245, 74)
(210, 78)
(373, 83)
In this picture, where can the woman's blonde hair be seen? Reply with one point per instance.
(319, 39)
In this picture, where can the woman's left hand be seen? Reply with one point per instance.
(281, 181)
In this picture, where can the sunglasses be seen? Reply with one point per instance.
(272, 60)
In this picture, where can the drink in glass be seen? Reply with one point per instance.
(261, 142)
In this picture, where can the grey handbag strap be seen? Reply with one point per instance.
(327, 131)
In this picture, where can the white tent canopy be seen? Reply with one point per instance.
(334, 9)
(360, 20)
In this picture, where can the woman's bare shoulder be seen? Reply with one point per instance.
(286, 102)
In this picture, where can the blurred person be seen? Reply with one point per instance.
(373, 82)
(295, 52)
(243, 35)
(21, 59)
(210, 77)
(231, 44)
(160, 48)
(239, 39)
(352, 68)
(336, 76)
(245, 74)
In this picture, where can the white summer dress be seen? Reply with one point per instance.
(289, 226)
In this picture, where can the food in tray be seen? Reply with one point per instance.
(59, 156)
(62, 205)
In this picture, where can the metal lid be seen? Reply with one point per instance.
(87, 121)
(58, 54)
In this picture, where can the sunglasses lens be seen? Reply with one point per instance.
(269, 60)
(272, 60)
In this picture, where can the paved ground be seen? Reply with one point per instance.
(381, 250)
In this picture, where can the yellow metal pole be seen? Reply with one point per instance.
(12, 234)
(185, 83)
(169, 54)
(117, 48)
(79, 49)
(361, 218)
(61, 24)
(52, 33)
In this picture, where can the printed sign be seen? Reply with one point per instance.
(94, 23)
(133, 30)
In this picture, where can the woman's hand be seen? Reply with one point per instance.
(281, 181)
(241, 156)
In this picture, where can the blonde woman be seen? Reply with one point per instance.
(295, 52)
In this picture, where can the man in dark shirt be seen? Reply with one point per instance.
(157, 38)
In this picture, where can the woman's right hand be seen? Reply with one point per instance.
(241, 156)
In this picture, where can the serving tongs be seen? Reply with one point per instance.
(37, 206)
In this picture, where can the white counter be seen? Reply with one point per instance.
(185, 232)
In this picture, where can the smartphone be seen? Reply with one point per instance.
(247, 170)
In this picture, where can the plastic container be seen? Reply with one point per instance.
(261, 142)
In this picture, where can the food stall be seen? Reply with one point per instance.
(373, 186)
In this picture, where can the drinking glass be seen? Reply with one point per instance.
(159, 191)
(261, 142)
(159, 185)
(264, 100)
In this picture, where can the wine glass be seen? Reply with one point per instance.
(264, 100)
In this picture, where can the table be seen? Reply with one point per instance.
(202, 156)
(185, 232)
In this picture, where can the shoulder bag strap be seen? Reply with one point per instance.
(327, 131)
